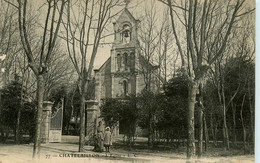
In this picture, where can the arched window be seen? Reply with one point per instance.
(132, 61)
(118, 61)
(126, 60)
(126, 34)
(125, 87)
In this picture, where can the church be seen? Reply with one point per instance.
(125, 72)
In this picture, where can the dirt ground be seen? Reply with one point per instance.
(66, 152)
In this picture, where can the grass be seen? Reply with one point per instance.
(165, 149)
(141, 146)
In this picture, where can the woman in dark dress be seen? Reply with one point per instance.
(100, 137)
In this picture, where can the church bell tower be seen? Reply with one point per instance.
(124, 55)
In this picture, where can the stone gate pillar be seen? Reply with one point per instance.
(46, 121)
(92, 115)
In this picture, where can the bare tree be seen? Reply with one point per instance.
(60, 71)
(48, 40)
(9, 45)
(166, 58)
(155, 40)
(149, 40)
(84, 30)
(207, 24)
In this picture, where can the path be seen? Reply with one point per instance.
(66, 152)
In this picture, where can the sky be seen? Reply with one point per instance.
(135, 7)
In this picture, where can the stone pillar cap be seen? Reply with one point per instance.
(46, 104)
(92, 101)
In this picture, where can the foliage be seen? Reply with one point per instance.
(165, 113)
(238, 76)
(11, 102)
(110, 111)
(123, 111)
(175, 113)
(11, 97)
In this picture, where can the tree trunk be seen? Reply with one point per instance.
(193, 87)
(200, 141)
(252, 122)
(150, 132)
(37, 136)
(251, 108)
(212, 130)
(243, 125)
(200, 109)
(82, 117)
(17, 129)
(225, 128)
(234, 123)
(206, 133)
(150, 129)
(216, 135)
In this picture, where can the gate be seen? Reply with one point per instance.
(56, 123)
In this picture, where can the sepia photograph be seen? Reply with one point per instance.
(139, 81)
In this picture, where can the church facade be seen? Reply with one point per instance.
(126, 71)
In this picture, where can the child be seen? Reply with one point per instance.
(107, 139)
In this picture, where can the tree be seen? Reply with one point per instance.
(148, 107)
(156, 40)
(110, 111)
(148, 42)
(207, 24)
(60, 71)
(47, 45)
(86, 30)
(228, 81)
(176, 91)
(126, 112)
(8, 33)
(239, 71)
(11, 112)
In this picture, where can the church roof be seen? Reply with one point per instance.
(147, 63)
(101, 67)
(127, 13)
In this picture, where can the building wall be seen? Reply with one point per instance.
(121, 74)
(110, 78)
(125, 63)
(103, 85)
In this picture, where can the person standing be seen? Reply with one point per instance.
(107, 139)
(100, 137)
